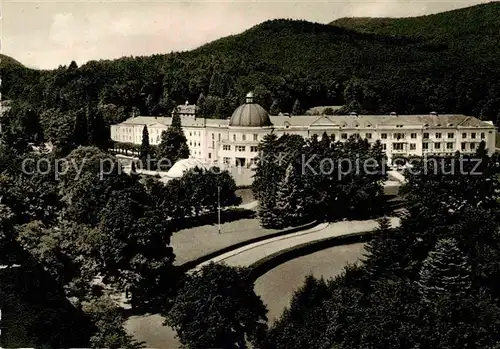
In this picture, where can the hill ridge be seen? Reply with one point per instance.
(410, 66)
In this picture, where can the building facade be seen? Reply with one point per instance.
(234, 141)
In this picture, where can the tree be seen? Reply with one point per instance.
(80, 129)
(133, 247)
(216, 307)
(328, 111)
(303, 323)
(145, 147)
(378, 262)
(73, 66)
(133, 169)
(28, 185)
(111, 113)
(176, 120)
(7, 233)
(86, 183)
(391, 317)
(292, 202)
(21, 124)
(173, 144)
(65, 251)
(205, 188)
(265, 184)
(297, 109)
(58, 129)
(275, 108)
(201, 106)
(98, 131)
(108, 325)
(445, 272)
(325, 142)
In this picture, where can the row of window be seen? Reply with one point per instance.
(426, 146)
(452, 135)
(412, 135)
(244, 137)
(240, 148)
(369, 135)
(127, 130)
(450, 146)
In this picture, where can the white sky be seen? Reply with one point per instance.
(46, 34)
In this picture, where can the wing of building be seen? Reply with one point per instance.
(234, 141)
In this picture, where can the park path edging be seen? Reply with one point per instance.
(195, 262)
(272, 261)
(249, 246)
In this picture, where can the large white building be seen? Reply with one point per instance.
(234, 141)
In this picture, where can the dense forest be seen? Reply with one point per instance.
(445, 62)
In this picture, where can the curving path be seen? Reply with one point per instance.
(252, 253)
(149, 328)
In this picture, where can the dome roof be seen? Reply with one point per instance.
(250, 114)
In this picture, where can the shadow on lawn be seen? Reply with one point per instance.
(226, 216)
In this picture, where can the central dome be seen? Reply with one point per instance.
(250, 114)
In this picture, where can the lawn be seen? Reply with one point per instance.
(196, 242)
(277, 286)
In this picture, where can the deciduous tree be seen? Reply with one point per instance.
(218, 308)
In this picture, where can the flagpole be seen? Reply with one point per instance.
(218, 207)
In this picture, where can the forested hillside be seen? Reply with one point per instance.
(446, 62)
(479, 21)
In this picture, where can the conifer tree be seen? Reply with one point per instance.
(265, 182)
(80, 129)
(445, 272)
(201, 105)
(217, 85)
(173, 144)
(303, 323)
(267, 213)
(176, 120)
(291, 199)
(145, 148)
(275, 108)
(297, 109)
(97, 131)
(325, 142)
(378, 262)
